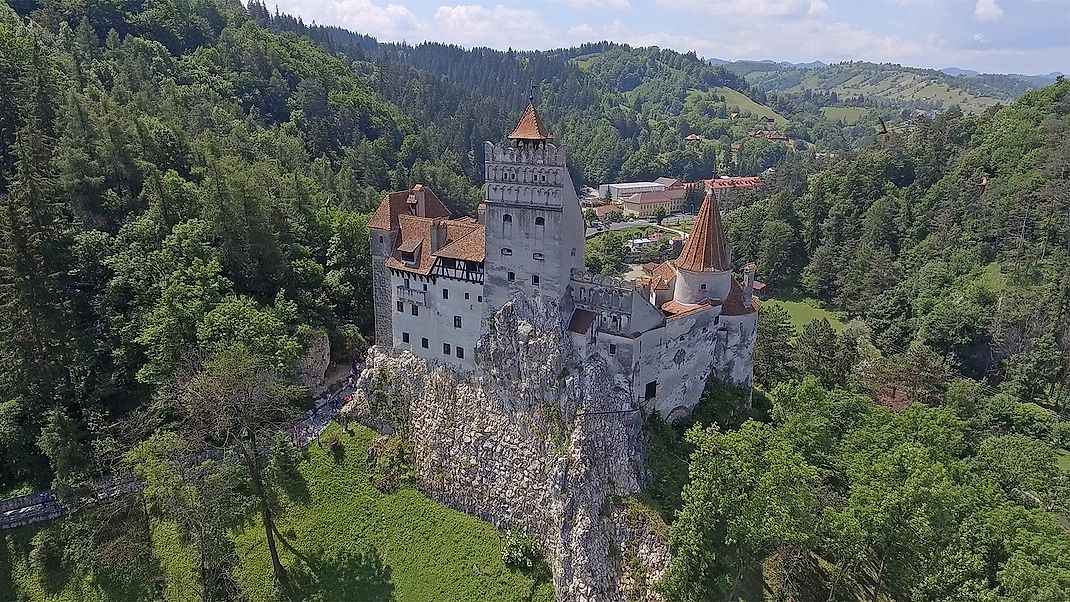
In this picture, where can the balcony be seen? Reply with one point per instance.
(410, 294)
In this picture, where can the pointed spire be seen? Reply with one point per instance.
(530, 127)
(705, 250)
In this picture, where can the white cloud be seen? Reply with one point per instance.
(980, 37)
(389, 22)
(987, 10)
(583, 4)
(498, 27)
(754, 9)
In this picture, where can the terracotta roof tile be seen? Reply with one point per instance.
(733, 305)
(675, 309)
(704, 250)
(397, 204)
(530, 126)
(470, 245)
(658, 196)
(414, 233)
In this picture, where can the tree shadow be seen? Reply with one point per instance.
(348, 576)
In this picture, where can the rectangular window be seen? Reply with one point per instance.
(424, 344)
(479, 298)
(404, 337)
(445, 293)
(460, 352)
(466, 297)
(401, 306)
(612, 349)
(651, 390)
(535, 280)
(512, 276)
(445, 348)
(415, 310)
(456, 321)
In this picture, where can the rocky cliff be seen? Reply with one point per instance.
(535, 438)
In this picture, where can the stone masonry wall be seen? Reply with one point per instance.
(533, 438)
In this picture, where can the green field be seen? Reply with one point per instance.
(803, 312)
(1063, 457)
(344, 540)
(734, 98)
(848, 115)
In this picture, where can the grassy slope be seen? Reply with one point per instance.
(802, 313)
(1063, 457)
(848, 115)
(734, 98)
(345, 541)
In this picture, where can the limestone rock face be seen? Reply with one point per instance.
(312, 366)
(534, 437)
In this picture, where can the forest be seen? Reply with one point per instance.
(185, 190)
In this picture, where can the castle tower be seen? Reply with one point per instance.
(703, 270)
(532, 215)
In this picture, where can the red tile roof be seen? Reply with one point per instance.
(734, 306)
(675, 309)
(465, 241)
(704, 250)
(658, 196)
(404, 202)
(530, 126)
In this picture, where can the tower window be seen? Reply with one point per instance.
(512, 276)
(537, 256)
(466, 297)
(404, 337)
(612, 349)
(460, 352)
(479, 298)
(535, 280)
(380, 239)
(507, 252)
(445, 348)
(507, 219)
(423, 343)
(573, 251)
(456, 321)
(703, 287)
(415, 309)
(445, 293)
(401, 306)
(540, 221)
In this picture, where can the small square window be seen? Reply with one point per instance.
(445, 348)
(537, 256)
(415, 309)
(456, 321)
(612, 349)
(401, 306)
(424, 343)
(460, 352)
(512, 276)
(404, 337)
(703, 286)
(535, 280)
(445, 293)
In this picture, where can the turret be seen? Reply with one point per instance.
(704, 270)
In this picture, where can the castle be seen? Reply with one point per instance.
(438, 280)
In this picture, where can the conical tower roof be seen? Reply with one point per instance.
(705, 250)
(530, 126)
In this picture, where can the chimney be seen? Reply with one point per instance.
(748, 283)
(417, 205)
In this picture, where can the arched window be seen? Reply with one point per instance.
(507, 252)
(537, 256)
(540, 221)
(573, 251)
(507, 219)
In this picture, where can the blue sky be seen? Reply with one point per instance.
(996, 36)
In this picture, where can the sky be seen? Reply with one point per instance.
(992, 36)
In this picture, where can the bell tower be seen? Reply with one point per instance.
(532, 214)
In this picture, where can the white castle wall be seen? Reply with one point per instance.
(435, 320)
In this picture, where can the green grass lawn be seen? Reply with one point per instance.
(734, 98)
(344, 540)
(1063, 458)
(803, 311)
(848, 115)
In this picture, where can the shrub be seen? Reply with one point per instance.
(390, 463)
(519, 550)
